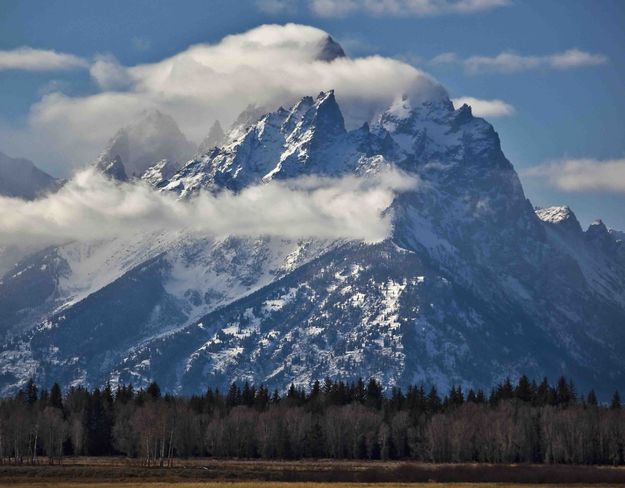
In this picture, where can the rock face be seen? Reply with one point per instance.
(215, 138)
(21, 178)
(472, 286)
(136, 148)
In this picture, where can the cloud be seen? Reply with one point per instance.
(579, 175)
(268, 66)
(91, 207)
(444, 58)
(277, 6)
(509, 62)
(29, 59)
(485, 108)
(335, 8)
(108, 73)
(402, 8)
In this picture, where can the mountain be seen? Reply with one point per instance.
(214, 138)
(21, 178)
(473, 285)
(135, 149)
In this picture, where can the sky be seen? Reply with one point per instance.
(549, 75)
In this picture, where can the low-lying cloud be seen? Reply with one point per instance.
(579, 175)
(91, 207)
(485, 108)
(268, 66)
(29, 59)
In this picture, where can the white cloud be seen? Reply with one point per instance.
(334, 8)
(92, 207)
(29, 59)
(266, 66)
(277, 6)
(108, 73)
(485, 108)
(444, 58)
(578, 175)
(403, 8)
(574, 58)
(509, 62)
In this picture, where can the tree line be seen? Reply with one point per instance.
(524, 422)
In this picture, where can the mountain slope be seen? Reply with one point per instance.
(21, 178)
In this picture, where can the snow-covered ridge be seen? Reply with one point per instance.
(555, 215)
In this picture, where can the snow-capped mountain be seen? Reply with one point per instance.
(21, 178)
(473, 285)
(309, 138)
(214, 138)
(154, 139)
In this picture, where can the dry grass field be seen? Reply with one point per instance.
(209, 473)
(279, 484)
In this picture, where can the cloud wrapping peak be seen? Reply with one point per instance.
(485, 108)
(29, 59)
(268, 66)
(91, 207)
(579, 175)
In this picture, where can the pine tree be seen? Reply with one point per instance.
(564, 395)
(373, 394)
(154, 391)
(275, 398)
(615, 404)
(523, 390)
(360, 394)
(471, 396)
(31, 392)
(505, 391)
(434, 403)
(544, 394)
(56, 397)
(233, 398)
(480, 397)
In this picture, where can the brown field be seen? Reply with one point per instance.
(270, 484)
(209, 473)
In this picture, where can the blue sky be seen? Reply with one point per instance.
(565, 134)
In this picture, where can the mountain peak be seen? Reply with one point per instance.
(113, 168)
(598, 234)
(559, 215)
(153, 137)
(20, 178)
(330, 50)
(214, 138)
(328, 116)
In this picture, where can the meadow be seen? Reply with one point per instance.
(269, 484)
(121, 472)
